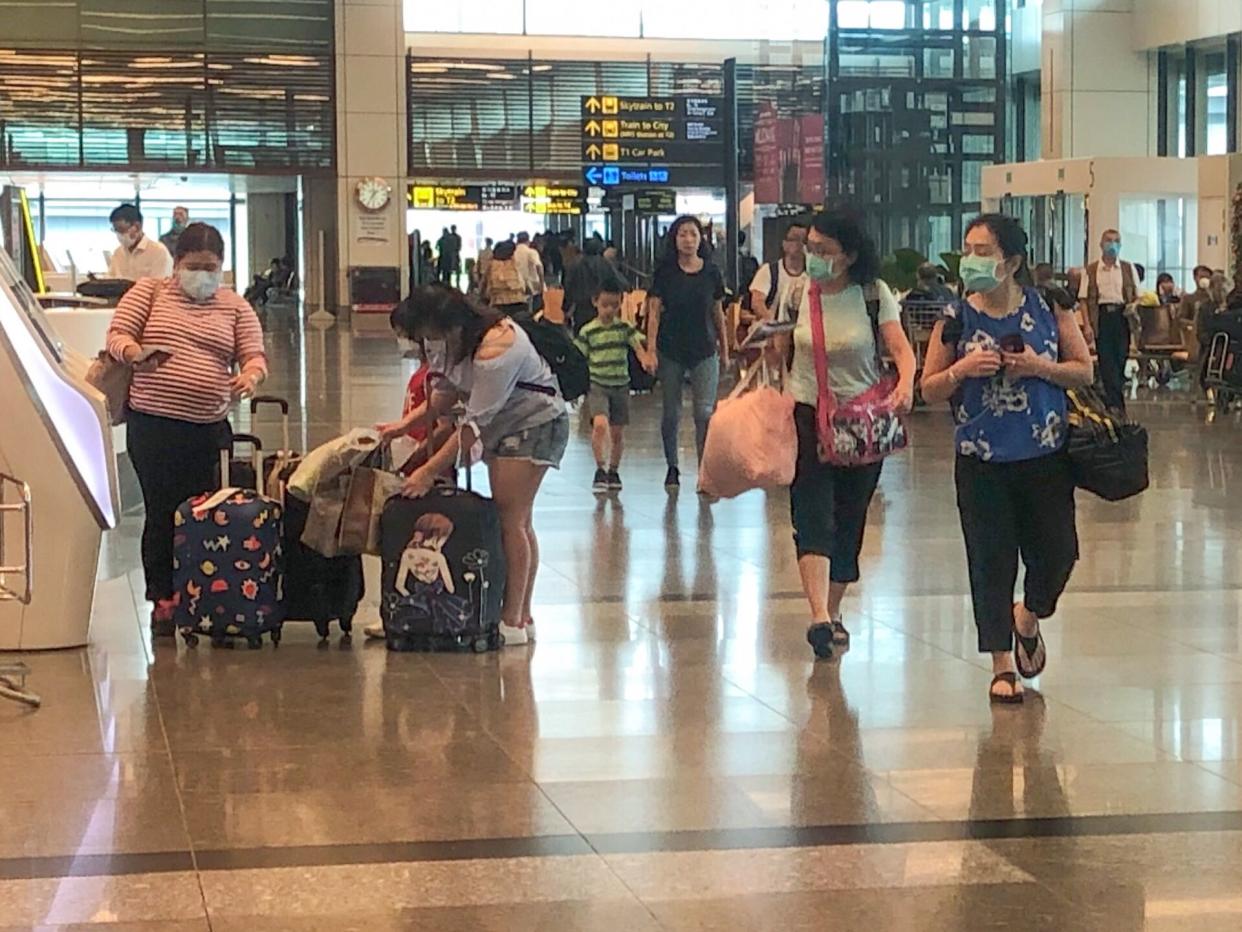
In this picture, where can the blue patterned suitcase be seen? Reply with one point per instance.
(228, 567)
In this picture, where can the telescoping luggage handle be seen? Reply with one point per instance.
(462, 455)
(226, 455)
(259, 401)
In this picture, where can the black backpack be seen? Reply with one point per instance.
(568, 364)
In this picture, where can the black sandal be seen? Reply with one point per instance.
(1030, 655)
(1014, 697)
(819, 636)
(840, 636)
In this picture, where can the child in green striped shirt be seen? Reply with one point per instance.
(606, 342)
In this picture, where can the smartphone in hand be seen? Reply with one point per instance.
(1013, 343)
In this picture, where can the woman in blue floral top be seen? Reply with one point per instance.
(1004, 359)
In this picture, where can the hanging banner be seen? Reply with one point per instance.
(811, 163)
(789, 157)
(767, 156)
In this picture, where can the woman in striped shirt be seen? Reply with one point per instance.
(195, 349)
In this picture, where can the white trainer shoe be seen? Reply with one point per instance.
(514, 637)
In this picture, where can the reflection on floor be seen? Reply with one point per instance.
(667, 757)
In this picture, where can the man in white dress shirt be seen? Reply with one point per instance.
(1109, 286)
(136, 256)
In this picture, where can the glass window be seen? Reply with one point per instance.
(938, 14)
(938, 63)
(734, 19)
(871, 14)
(979, 57)
(1175, 108)
(499, 16)
(574, 18)
(1213, 115)
(979, 14)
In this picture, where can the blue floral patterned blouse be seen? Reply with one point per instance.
(1000, 418)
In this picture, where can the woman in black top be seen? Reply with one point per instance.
(685, 323)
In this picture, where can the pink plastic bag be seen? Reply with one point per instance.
(751, 444)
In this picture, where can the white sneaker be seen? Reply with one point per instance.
(530, 632)
(514, 637)
(374, 632)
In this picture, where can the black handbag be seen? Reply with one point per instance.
(1108, 454)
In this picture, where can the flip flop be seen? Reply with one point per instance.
(1030, 655)
(1013, 698)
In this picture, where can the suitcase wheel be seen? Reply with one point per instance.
(322, 629)
(191, 639)
(480, 645)
(275, 637)
(255, 643)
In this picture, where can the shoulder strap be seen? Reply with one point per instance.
(774, 286)
(827, 402)
(871, 295)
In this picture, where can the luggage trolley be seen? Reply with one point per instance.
(919, 319)
(13, 673)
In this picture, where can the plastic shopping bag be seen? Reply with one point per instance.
(751, 443)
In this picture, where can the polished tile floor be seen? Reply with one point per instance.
(668, 756)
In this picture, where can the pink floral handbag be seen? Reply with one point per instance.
(866, 429)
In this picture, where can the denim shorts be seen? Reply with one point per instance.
(543, 445)
(610, 401)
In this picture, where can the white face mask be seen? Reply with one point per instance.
(128, 239)
(1205, 283)
(200, 284)
(406, 345)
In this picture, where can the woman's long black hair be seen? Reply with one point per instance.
(669, 257)
(432, 311)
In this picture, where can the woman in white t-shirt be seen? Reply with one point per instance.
(829, 503)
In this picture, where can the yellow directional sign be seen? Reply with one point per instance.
(611, 106)
(612, 152)
(592, 128)
(612, 129)
(592, 105)
(593, 151)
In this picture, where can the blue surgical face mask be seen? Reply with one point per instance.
(1112, 248)
(979, 273)
(819, 268)
(200, 284)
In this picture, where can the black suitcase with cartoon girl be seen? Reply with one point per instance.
(444, 572)
(227, 566)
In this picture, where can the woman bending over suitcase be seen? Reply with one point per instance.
(195, 349)
(514, 418)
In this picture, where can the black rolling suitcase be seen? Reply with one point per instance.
(444, 572)
(318, 589)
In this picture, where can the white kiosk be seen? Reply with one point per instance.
(56, 441)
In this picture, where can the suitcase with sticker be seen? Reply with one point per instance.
(444, 572)
(228, 566)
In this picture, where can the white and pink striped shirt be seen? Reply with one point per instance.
(206, 341)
